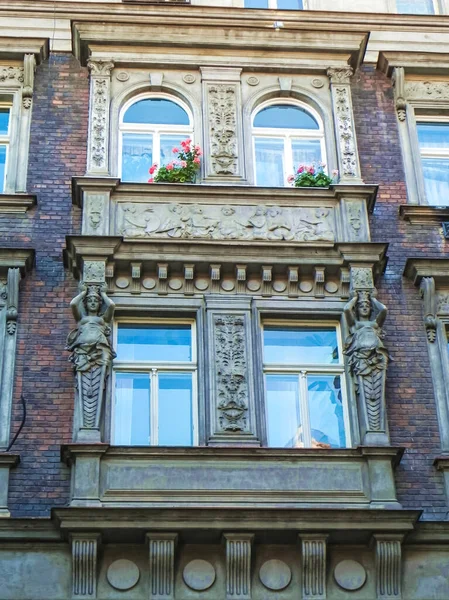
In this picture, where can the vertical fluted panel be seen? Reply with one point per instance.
(313, 567)
(238, 566)
(388, 566)
(84, 566)
(162, 561)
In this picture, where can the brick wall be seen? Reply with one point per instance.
(410, 400)
(43, 375)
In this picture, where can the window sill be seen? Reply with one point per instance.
(420, 214)
(16, 203)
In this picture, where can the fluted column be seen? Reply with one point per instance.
(238, 565)
(161, 565)
(313, 553)
(84, 564)
(388, 566)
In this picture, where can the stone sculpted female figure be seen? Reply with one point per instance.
(368, 357)
(91, 349)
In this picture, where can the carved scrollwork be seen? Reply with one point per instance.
(9, 74)
(226, 222)
(428, 294)
(346, 131)
(100, 83)
(431, 90)
(231, 372)
(222, 126)
(12, 300)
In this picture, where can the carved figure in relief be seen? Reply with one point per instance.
(229, 226)
(315, 226)
(279, 225)
(175, 224)
(258, 221)
(368, 357)
(91, 349)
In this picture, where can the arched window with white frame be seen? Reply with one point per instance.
(286, 134)
(150, 127)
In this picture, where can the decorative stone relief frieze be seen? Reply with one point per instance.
(368, 361)
(428, 294)
(430, 90)
(95, 211)
(231, 372)
(344, 123)
(225, 222)
(362, 278)
(313, 554)
(238, 566)
(94, 271)
(84, 565)
(388, 567)
(442, 302)
(91, 355)
(161, 565)
(11, 74)
(99, 107)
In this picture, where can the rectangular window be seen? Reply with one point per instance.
(155, 384)
(433, 138)
(304, 383)
(4, 143)
(415, 7)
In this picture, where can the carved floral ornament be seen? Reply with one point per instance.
(419, 91)
(222, 128)
(99, 99)
(21, 77)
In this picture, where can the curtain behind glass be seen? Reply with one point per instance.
(269, 162)
(2, 167)
(137, 157)
(436, 181)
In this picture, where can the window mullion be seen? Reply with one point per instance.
(304, 408)
(153, 407)
(288, 158)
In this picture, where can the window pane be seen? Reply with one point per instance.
(290, 4)
(157, 343)
(168, 142)
(156, 111)
(175, 409)
(285, 116)
(415, 7)
(269, 162)
(137, 157)
(132, 409)
(283, 414)
(4, 121)
(300, 345)
(2, 167)
(256, 4)
(326, 411)
(436, 181)
(306, 152)
(433, 135)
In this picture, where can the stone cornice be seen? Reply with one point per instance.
(417, 268)
(15, 48)
(425, 63)
(22, 258)
(420, 214)
(16, 203)
(9, 460)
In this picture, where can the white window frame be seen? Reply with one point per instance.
(436, 9)
(430, 153)
(155, 130)
(287, 134)
(153, 368)
(308, 369)
(5, 140)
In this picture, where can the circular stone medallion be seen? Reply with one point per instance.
(253, 285)
(201, 284)
(306, 286)
(199, 575)
(122, 282)
(227, 285)
(149, 283)
(279, 286)
(123, 574)
(350, 575)
(275, 574)
(331, 287)
(175, 284)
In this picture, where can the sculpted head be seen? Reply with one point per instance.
(93, 300)
(364, 305)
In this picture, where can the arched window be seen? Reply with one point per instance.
(150, 127)
(285, 135)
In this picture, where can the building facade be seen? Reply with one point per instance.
(229, 387)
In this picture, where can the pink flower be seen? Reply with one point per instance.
(335, 173)
(183, 164)
(301, 169)
(197, 160)
(151, 180)
(311, 170)
(175, 150)
(169, 167)
(291, 178)
(152, 169)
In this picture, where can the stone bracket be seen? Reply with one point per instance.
(161, 547)
(388, 548)
(313, 558)
(85, 548)
(238, 565)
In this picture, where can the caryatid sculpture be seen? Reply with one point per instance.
(368, 361)
(92, 352)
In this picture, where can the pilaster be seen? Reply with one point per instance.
(84, 564)
(161, 564)
(388, 566)
(348, 157)
(222, 99)
(313, 555)
(99, 112)
(238, 565)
